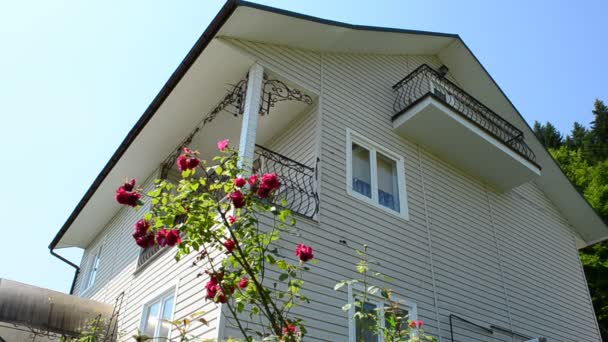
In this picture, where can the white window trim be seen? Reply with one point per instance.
(372, 147)
(159, 297)
(410, 306)
(91, 269)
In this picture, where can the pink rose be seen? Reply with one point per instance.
(304, 252)
(173, 237)
(240, 182)
(229, 244)
(243, 283)
(253, 179)
(237, 198)
(222, 145)
(271, 181)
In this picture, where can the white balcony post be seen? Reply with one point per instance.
(251, 109)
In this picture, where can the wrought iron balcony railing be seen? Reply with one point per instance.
(298, 181)
(426, 81)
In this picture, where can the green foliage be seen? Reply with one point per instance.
(584, 160)
(391, 321)
(548, 134)
(210, 221)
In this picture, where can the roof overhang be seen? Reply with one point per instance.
(186, 93)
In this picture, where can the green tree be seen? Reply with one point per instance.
(599, 129)
(579, 138)
(548, 135)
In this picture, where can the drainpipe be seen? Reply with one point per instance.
(77, 268)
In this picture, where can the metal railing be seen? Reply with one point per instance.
(298, 188)
(298, 181)
(426, 81)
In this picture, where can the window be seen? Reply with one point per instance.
(375, 174)
(361, 330)
(93, 268)
(156, 315)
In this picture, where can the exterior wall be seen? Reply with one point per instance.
(503, 259)
(118, 272)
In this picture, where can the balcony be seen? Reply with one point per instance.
(298, 188)
(437, 114)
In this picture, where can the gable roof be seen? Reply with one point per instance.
(250, 21)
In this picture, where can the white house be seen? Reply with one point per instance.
(395, 138)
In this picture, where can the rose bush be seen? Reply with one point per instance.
(215, 209)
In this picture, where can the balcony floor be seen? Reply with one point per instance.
(447, 133)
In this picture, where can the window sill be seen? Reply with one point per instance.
(402, 215)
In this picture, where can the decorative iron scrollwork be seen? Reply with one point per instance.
(233, 102)
(298, 181)
(276, 91)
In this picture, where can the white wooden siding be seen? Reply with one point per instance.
(503, 259)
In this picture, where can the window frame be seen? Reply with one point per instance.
(409, 305)
(93, 270)
(161, 298)
(374, 148)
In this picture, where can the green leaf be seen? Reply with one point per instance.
(346, 307)
(339, 285)
(283, 276)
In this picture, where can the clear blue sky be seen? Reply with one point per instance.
(76, 75)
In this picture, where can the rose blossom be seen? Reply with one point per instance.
(253, 179)
(243, 283)
(222, 145)
(416, 324)
(128, 186)
(232, 219)
(186, 163)
(263, 191)
(304, 252)
(130, 198)
(237, 199)
(229, 244)
(290, 329)
(142, 226)
(271, 181)
(239, 182)
(144, 241)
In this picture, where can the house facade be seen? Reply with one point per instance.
(392, 138)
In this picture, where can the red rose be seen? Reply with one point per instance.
(142, 226)
(271, 181)
(263, 191)
(243, 283)
(416, 324)
(222, 145)
(144, 241)
(304, 252)
(130, 198)
(161, 237)
(173, 237)
(237, 198)
(185, 163)
(221, 297)
(239, 182)
(253, 179)
(128, 186)
(290, 329)
(229, 244)
(232, 219)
